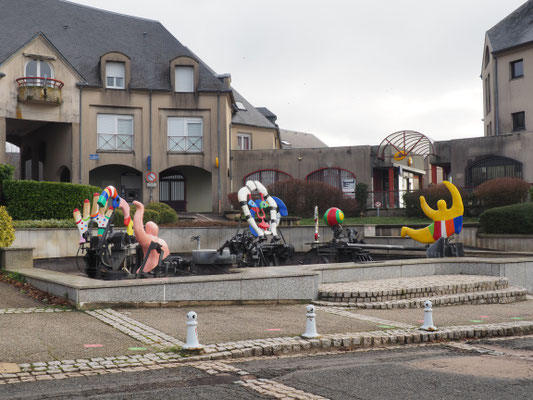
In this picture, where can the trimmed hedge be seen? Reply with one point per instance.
(502, 192)
(516, 218)
(45, 200)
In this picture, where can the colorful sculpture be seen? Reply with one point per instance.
(258, 208)
(446, 221)
(333, 216)
(145, 236)
(100, 213)
(118, 202)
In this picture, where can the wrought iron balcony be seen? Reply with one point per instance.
(35, 89)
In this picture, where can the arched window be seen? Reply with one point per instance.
(487, 56)
(491, 168)
(267, 176)
(335, 176)
(40, 70)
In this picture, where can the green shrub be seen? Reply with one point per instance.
(361, 197)
(433, 194)
(502, 192)
(45, 200)
(516, 218)
(6, 173)
(44, 223)
(7, 232)
(301, 197)
(160, 213)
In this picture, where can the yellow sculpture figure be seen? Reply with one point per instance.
(446, 221)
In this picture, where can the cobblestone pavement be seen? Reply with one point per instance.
(263, 386)
(135, 329)
(33, 310)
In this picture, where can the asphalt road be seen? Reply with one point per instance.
(422, 372)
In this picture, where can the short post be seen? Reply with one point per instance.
(192, 332)
(310, 326)
(428, 317)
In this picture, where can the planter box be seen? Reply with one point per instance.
(16, 257)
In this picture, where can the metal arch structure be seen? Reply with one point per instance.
(405, 143)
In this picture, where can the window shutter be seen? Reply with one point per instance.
(176, 127)
(115, 69)
(184, 81)
(105, 124)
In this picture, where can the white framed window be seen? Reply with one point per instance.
(184, 79)
(185, 134)
(115, 75)
(115, 132)
(244, 141)
(38, 69)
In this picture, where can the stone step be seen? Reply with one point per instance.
(508, 295)
(408, 288)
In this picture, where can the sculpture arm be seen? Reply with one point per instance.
(457, 207)
(138, 228)
(431, 213)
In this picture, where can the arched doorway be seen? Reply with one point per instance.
(186, 189)
(172, 190)
(128, 181)
(64, 174)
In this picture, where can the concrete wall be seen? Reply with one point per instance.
(300, 162)
(461, 153)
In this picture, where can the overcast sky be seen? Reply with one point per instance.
(349, 71)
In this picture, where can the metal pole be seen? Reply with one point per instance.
(218, 153)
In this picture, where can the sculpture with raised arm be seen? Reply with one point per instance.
(145, 236)
(446, 221)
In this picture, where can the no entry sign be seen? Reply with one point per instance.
(151, 177)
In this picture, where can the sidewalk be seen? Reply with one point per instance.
(31, 332)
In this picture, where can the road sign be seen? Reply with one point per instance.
(95, 157)
(151, 184)
(378, 204)
(151, 177)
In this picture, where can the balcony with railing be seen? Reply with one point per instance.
(185, 144)
(35, 89)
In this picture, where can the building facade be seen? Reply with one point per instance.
(507, 74)
(95, 97)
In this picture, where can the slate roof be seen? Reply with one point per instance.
(299, 140)
(83, 34)
(514, 30)
(251, 116)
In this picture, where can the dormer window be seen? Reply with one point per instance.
(184, 79)
(115, 75)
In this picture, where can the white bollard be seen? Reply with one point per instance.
(310, 326)
(428, 317)
(192, 332)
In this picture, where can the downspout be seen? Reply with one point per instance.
(80, 85)
(496, 102)
(218, 153)
(150, 141)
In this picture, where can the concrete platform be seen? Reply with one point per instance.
(264, 285)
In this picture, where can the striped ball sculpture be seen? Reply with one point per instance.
(333, 216)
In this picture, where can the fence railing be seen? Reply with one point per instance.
(39, 81)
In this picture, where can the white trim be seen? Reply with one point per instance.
(241, 136)
(108, 136)
(184, 79)
(116, 71)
